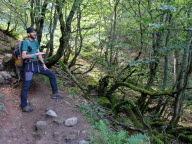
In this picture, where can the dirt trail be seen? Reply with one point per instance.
(17, 127)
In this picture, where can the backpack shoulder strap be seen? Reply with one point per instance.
(29, 44)
(37, 43)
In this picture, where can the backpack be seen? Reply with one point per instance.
(17, 56)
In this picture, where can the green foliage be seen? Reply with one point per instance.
(59, 82)
(103, 134)
(186, 139)
(138, 139)
(74, 91)
(4, 50)
(92, 113)
(104, 101)
(106, 135)
(190, 107)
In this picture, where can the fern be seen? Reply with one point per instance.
(101, 134)
(103, 129)
(108, 136)
(138, 139)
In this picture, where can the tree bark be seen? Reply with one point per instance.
(65, 29)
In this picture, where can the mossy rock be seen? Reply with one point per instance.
(186, 138)
(104, 101)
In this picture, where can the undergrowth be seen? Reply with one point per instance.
(103, 133)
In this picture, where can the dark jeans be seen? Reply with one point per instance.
(30, 69)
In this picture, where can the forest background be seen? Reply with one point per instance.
(130, 58)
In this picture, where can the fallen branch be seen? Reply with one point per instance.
(138, 89)
(64, 67)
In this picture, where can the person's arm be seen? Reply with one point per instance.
(25, 48)
(41, 59)
(25, 55)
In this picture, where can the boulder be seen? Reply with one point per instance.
(13, 74)
(5, 74)
(71, 121)
(2, 80)
(7, 58)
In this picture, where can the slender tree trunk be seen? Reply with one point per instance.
(77, 48)
(183, 76)
(65, 32)
(32, 13)
(41, 21)
(113, 35)
(166, 63)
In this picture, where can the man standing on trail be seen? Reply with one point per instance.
(30, 51)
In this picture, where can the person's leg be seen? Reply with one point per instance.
(28, 75)
(52, 78)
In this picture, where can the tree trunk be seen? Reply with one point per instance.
(65, 32)
(183, 76)
(32, 13)
(77, 50)
(41, 21)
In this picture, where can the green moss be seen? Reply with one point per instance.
(157, 124)
(186, 138)
(132, 116)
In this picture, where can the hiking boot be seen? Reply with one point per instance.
(27, 109)
(57, 96)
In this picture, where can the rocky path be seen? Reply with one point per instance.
(37, 127)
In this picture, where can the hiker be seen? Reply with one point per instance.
(31, 67)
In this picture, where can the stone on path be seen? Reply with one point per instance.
(83, 142)
(41, 126)
(51, 113)
(71, 121)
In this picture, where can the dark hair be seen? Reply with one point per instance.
(30, 29)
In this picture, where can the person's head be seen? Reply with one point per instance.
(31, 32)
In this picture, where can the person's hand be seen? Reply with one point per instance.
(40, 53)
(45, 67)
